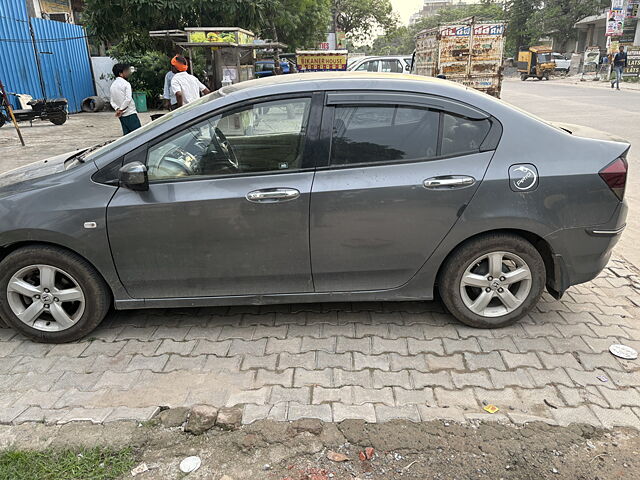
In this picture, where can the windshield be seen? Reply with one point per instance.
(544, 57)
(264, 67)
(156, 123)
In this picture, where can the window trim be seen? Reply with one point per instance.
(432, 102)
(307, 164)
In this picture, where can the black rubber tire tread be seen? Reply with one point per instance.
(458, 261)
(96, 292)
(58, 118)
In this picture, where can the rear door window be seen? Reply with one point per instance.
(370, 66)
(374, 134)
(462, 135)
(391, 66)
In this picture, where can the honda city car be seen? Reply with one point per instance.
(342, 187)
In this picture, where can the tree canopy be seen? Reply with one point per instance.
(299, 23)
(360, 18)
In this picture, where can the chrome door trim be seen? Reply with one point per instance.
(273, 195)
(448, 182)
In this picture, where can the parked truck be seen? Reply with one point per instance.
(467, 52)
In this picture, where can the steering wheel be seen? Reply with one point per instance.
(225, 147)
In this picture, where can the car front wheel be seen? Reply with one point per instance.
(51, 295)
(492, 281)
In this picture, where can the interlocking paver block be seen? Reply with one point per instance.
(251, 347)
(358, 412)
(440, 331)
(422, 396)
(126, 413)
(40, 399)
(425, 346)
(172, 346)
(207, 332)
(351, 377)
(339, 360)
(468, 345)
(347, 344)
(207, 347)
(439, 379)
(542, 378)
(321, 412)
(217, 364)
(230, 332)
(384, 345)
(406, 331)
(574, 397)
(93, 415)
(41, 415)
(306, 378)
(173, 333)
(33, 364)
(252, 413)
(410, 362)
(463, 398)
(264, 331)
(517, 360)
(629, 397)
(133, 347)
(617, 417)
(37, 381)
(279, 345)
(178, 362)
(593, 361)
(478, 361)
(566, 416)
(373, 395)
(142, 362)
(131, 332)
(445, 362)
(267, 362)
(98, 347)
(282, 394)
(558, 360)
(389, 379)
(497, 344)
(117, 380)
(258, 396)
(475, 379)
(518, 378)
(379, 362)
(347, 330)
(266, 377)
(328, 395)
(567, 345)
(376, 329)
(324, 344)
(302, 360)
(68, 349)
(623, 379)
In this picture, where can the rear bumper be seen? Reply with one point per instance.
(581, 253)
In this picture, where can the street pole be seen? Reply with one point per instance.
(5, 100)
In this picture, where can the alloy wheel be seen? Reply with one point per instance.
(495, 284)
(46, 298)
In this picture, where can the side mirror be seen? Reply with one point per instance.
(134, 176)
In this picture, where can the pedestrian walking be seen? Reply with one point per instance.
(185, 86)
(619, 64)
(122, 98)
(169, 99)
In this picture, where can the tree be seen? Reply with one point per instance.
(301, 22)
(558, 17)
(358, 19)
(522, 28)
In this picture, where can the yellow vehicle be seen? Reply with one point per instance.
(535, 62)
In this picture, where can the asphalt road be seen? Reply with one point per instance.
(616, 112)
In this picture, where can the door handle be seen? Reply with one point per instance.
(448, 182)
(273, 195)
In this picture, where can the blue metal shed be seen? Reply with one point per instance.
(62, 53)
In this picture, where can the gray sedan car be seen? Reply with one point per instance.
(308, 188)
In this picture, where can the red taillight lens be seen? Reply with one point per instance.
(615, 176)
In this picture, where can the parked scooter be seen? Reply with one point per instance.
(54, 110)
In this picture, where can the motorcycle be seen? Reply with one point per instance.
(53, 110)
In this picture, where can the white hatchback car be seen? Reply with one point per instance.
(391, 64)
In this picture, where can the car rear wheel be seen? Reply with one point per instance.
(51, 295)
(492, 281)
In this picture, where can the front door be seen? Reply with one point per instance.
(227, 210)
(399, 177)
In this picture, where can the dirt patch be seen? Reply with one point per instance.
(402, 450)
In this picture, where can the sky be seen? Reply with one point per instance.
(406, 8)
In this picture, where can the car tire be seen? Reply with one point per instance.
(461, 285)
(84, 297)
(58, 118)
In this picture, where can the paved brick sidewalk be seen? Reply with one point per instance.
(375, 361)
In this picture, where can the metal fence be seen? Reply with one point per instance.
(43, 58)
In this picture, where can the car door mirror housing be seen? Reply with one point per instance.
(134, 176)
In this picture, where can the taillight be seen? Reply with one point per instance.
(615, 176)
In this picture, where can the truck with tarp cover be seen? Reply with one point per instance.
(469, 53)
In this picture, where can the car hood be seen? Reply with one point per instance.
(588, 132)
(41, 168)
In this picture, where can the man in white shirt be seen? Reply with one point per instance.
(185, 86)
(122, 99)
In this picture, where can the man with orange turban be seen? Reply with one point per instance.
(185, 86)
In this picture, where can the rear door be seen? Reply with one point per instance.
(400, 170)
